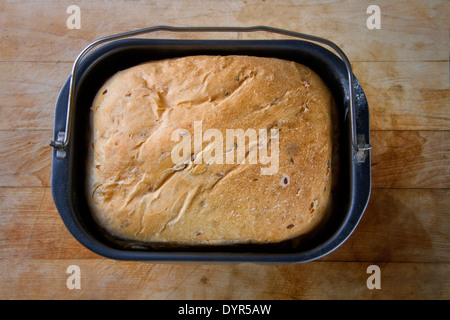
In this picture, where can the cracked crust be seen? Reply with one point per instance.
(135, 190)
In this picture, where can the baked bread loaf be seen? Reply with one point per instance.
(148, 115)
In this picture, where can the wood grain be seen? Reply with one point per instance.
(405, 95)
(104, 279)
(403, 69)
(411, 95)
(25, 158)
(411, 159)
(32, 228)
(414, 224)
(401, 225)
(29, 93)
(36, 31)
(400, 159)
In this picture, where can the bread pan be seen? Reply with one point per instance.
(93, 67)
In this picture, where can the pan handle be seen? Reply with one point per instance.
(360, 146)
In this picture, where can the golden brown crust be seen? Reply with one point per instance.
(136, 191)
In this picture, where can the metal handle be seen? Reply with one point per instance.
(358, 141)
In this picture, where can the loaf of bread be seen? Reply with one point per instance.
(167, 162)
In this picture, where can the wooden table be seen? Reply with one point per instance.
(403, 68)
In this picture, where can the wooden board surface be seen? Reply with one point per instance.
(404, 70)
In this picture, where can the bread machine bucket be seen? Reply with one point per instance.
(114, 53)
